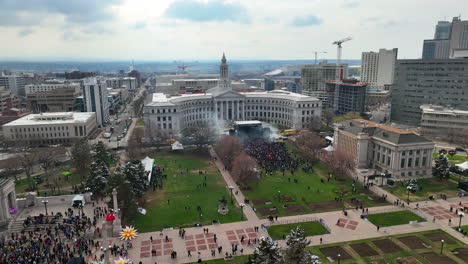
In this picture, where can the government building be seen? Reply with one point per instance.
(220, 105)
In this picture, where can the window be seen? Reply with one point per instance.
(402, 174)
(418, 151)
(402, 165)
(410, 174)
(388, 161)
(378, 156)
(403, 153)
(411, 152)
(416, 162)
(424, 160)
(410, 162)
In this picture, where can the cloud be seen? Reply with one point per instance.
(30, 12)
(139, 25)
(350, 4)
(197, 11)
(306, 21)
(25, 32)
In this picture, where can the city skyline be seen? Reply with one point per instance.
(251, 30)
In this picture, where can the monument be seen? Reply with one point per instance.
(7, 200)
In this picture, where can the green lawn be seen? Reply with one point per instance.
(429, 187)
(310, 229)
(180, 188)
(405, 255)
(236, 260)
(140, 122)
(455, 159)
(394, 218)
(66, 181)
(309, 189)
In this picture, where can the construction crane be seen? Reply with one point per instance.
(338, 56)
(316, 52)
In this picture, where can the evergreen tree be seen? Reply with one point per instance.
(441, 169)
(101, 154)
(127, 200)
(81, 157)
(267, 252)
(97, 180)
(296, 253)
(135, 173)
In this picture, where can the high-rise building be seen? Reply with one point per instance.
(313, 78)
(52, 97)
(448, 37)
(95, 98)
(136, 74)
(378, 68)
(418, 82)
(349, 95)
(13, 83)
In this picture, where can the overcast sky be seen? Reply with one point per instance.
(203, 29)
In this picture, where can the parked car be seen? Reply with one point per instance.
(107, 135)
(459, 149)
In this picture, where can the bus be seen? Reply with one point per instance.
(290, 132)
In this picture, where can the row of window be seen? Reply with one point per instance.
(416, 173)
(410, 164)
(37, 129)
(41, 135)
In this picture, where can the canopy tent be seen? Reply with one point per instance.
(463, 166)
(329, 138)
(177, 146)
(330, 148)
(148, 164)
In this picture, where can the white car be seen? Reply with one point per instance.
(107, 135)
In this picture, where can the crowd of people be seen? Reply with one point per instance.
(272, 156)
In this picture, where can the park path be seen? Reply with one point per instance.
(247, 210)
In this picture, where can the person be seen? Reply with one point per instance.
(378, 228)
(321, 240)
(189, 254)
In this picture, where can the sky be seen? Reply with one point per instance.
(204, 29)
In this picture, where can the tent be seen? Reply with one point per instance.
(148, 163)
(463, 166)
(329, 138)
(177, 146)
(329, 148)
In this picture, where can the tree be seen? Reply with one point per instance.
(296, 252)
(228, 148)
(81, 156)
(135, 144)
(135, 173)
(267, 252)
(10, 168)
(313, 123)
(310, 145)
(347, 116)
(340, 163)
(48, 160)
(245, 170)
(328, 116)
(27, 161)
(101, 154)
(201, 134)
(98, 178)
(441, 169)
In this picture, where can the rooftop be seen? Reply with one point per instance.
(52, 118)
(438, 109)
(347, 83)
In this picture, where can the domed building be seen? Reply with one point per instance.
(172, 114)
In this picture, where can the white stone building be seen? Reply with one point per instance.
(95, 96)
(385, 149)
(378, 67)
(50, 128)
(172, 114)
(444, 123)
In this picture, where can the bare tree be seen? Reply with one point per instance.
(328, 116)
(310, 145)
(201, 135)
(81, 156)
(245, 170)
(313, 123)
(48, 160)
(135, 144)
(27, 161)
(340, 163)
(228, 148)
(10, 168)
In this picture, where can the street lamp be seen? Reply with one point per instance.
(460, 214)
(45, 205)
(231, 188)
(242, 210)
(442, 246)
(339, 258)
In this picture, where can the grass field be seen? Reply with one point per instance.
(429, 187)
(65, 183)
(394, 218)
(235, 260)
(309, 189)
(394, 251)
(180, 188)
(455, 159)
(310, 229)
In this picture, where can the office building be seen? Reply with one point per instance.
(444, 123)
(448, 37)
(14, 83)
(219, 105)
(129, 83)
(50, 128)
(52, 97)
(378, 67)
(348, 95)
(385, 149)
(95, 99)
(314, 76)
(76, 75)
(418, 82)
(137, 75)
(7, 99)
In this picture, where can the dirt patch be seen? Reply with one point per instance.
(434, 258)
(294, 208)
(412, 242)
(461, 253)
(286, 198)
(324, 206)
(439, 236)
(407, 260)
(261, 201)
(267, 211)
(333, 252)
(387, 246)
(363, 249)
